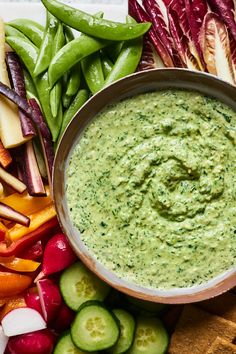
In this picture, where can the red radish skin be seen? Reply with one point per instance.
(33, 301)
(64, 319)
(22, 320)
(40, 342)
(58, 255)
(34, 252)
(50, 299)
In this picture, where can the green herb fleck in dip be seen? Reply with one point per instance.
(151, 186)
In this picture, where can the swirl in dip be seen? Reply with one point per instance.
(151, 186)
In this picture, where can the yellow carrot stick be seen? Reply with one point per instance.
(10, 127)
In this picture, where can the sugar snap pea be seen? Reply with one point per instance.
(28, 53)
(68, 34)
(93, 72)
(81, 97)
(56, 92)
(12, 31)
(66, 100)
(71, 54)
(31, 29)
(94, 26)
(114, 50)
(127, 60)
(29, 85)
(46, 48)
(74, 80)
(107, 65)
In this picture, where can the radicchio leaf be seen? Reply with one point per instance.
(137, 12)
(150, 59)
(233, 54)
(196, 11)
(226, 9)
(157, 12)
(215, 45)
(181, 41)
(181, 11)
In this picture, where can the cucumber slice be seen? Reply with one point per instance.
(94, 328)
(127, 328)
(150, 337)
(79, 285)
(66, 346)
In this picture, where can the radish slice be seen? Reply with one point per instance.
(33, 301)
(12, 181)
(11, 214)
(3, 341)
(22, 320)
(58, 255)
(50, 299)
(64, 319)
(41, 342)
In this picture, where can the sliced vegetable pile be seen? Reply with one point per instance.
(61, 71)
(80, 315)
(193, 34)
(99, 325)
(50, 302)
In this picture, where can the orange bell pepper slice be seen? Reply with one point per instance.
(26, 204)
(11, 304)
(13, 284)
(21, 265)
(36, 220)
(4, 235)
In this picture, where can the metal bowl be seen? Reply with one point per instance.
(134, 84)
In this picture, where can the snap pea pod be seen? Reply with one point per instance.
(66, 100)
(68, 34)
(29, 85)
(72, 53)
(127, 60)
(92, 71)
(12, 31)
(94, 26)
(31, 29)
(56, 92)
(81, 97)
(114, 50)
(74, 80)
(107, 65)
(46, 49)
(28, 53)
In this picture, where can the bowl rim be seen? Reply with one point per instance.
(211, 288)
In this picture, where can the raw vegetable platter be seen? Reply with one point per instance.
(49, 301)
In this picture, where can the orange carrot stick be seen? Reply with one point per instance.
(5, 157)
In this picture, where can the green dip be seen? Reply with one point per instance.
(151, 186)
